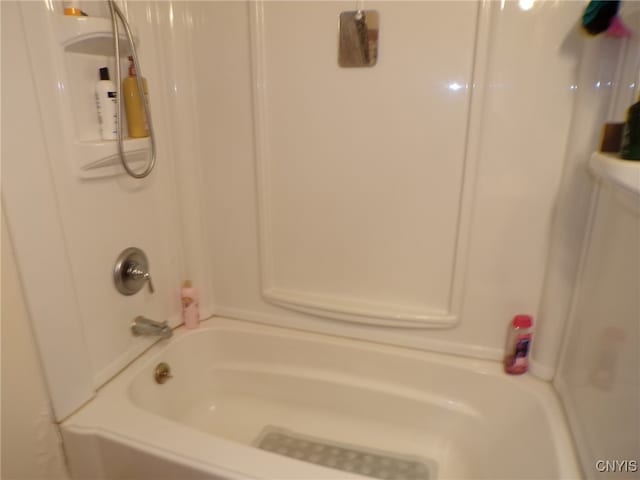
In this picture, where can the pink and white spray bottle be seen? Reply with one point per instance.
(190, 307)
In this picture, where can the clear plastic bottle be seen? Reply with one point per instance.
(516, 359)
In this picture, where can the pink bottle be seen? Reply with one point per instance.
(190, 307)
(516, 360)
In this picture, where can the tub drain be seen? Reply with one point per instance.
(347, 458)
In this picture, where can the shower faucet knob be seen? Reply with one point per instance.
(138, 272)
(131, 272)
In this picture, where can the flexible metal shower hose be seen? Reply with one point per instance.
(115, 14)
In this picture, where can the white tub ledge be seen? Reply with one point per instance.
(612, 168)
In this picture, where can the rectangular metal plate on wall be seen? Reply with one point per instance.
(358, 38)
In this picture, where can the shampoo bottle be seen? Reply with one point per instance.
(631, 134)
(516, 360)
(133, 103)
(190, 307)
(106, 105)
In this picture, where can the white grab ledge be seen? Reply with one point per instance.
(624, 173)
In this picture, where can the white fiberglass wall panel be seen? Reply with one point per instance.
(69, 223)
(599, 375)
(521, 108)
(360, 169)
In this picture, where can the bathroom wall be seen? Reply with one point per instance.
(341, 194)
(600, 364)
(67, 228)
(31, 447)
(600, 355)
(615, 63)
(417, 193)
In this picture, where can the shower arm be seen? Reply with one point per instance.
(115, 14)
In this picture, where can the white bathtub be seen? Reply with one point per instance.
(233, 378)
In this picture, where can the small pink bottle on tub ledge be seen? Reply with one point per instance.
(516, 359)
(190, 307)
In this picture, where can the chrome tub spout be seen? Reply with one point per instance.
(146, 326)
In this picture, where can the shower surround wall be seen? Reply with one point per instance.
(68, 230)
(367, 183)
(419, 192)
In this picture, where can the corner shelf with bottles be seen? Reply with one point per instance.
(87, 43)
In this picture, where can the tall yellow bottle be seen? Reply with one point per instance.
(136, 119)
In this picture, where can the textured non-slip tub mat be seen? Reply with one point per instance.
(348, 458)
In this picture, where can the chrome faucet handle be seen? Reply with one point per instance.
(138, 272)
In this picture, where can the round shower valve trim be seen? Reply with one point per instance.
(131, 271)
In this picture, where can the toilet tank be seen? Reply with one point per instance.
(599, 373)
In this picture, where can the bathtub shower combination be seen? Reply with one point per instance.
(364, 194)
(240, 392)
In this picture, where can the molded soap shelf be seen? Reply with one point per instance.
(100, 158)
(609, 166)
(93, 37)
(90, 35)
